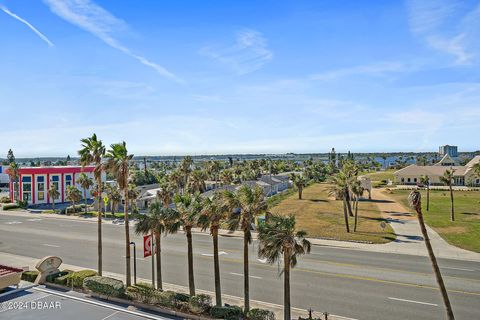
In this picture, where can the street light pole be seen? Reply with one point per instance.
(134, 262)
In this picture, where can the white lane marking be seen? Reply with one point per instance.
(413, 301)
(13, 222)
(461, 269)
(50, 245)
(100, 304)
(241, 275)
(34, 220)
(221, 253)
(110, 315)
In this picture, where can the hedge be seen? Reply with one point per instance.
(260, 314)
(62, 280)
(10, 206)
(51, 278)
(104, 285)
(29, 276)
(75, 279)
(200, 303)
(142, 292)
(227, 312)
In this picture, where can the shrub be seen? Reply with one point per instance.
(182, 297)
(22, 204)
(51, 278)
(29, 276)
(104, 285)
(75, 279)
(226, 312)
(5, 199)
(62, 280)
(200, 303)
(166, 299)
(260, 314)
(142, 292)
(10, 206)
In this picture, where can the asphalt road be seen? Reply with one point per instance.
(350, 283)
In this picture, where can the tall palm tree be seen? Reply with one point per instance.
(357, 191)
(155, 222)
(165, 194)
(415, 201)
(279, 238)
(245, 205)
(73, 195)
(188, 208)
(213, 212)
(114, 196)
(86, 183)
(93, 151)
(425, 180)
(185, 168)
(448, 179)
(338, 188)
(118, 166)
(196, 181)
(53, 194)
(300, 182)
(226, 176)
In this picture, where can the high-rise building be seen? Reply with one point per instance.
(452, 151)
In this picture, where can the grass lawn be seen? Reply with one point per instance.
(322, 216)
(465, 231)
(381, 175)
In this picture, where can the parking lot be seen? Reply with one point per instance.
(40, 303)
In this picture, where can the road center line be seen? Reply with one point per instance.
(241, 275)
(413, 301)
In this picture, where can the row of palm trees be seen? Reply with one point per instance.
(278, 237)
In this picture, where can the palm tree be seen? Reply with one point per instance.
(357, 191)
(165, 194)
(212, 214)
(226, 176)
(448, 179)
(245, 205)
(415, 201)
(86, 183)
(13, 174)
(93, 151)
(300, 182)
(338, 188)
(196, 181)
(188, 209)
(425, 180)
(155, 222)
(53, 194)
(118, 166)
(114, 196)
(73, 195)
(279, 238)
(185, 169)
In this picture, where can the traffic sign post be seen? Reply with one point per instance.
(147, 252)
(134, 262)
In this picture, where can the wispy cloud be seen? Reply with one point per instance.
(90, 17)
(248, 54)
(447, 26)
(375, 69)
(28, 24)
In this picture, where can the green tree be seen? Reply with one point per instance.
(196, 181)
(73, 195)
(188, 208)
(92, 152)
(415, 201)
(156, 222)
(165, 194)
(357, 191)
(339, 187)
(279, 238)
(300, 182)
(118, 165)
(53, 194)
(114, 196)
(86, 183)
(448, 179)
(213, 212)
(245, 205)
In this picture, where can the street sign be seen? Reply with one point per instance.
(147, 246)
(105, 200)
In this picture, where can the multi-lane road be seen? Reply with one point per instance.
(350, 283)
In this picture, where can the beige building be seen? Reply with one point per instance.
(464, 175)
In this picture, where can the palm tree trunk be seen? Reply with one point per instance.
(191, 279)
(246, 284)
(451, 201)
(428, 197)
(158, 251)
(286, 285)
(216, 268)
(300, 191)
(127, 241)
(345, 215)
(435, 267)
(99, 234)
(356, 215)
(85, 200)
(349, 205)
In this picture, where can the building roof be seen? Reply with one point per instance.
(54, 169)
(270, 180)
(446, 161)
(4, 270)
(415, 170)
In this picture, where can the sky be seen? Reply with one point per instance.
(178, 77)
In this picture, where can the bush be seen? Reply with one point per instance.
(62, 280)
(104, 285)
(142, 292)
(227, 312)
(29, 276)
(78, 208)
(51, 278)
(182, 297)
(75, 279)
(5, 199)
(200, 303)
(10, 206)
(166, 299)
(260, 314)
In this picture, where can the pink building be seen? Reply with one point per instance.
(34, 182)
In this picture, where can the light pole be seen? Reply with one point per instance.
(134, 262)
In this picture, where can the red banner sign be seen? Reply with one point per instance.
(147, 246)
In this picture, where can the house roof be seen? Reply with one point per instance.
(415, 170)
(445, 161)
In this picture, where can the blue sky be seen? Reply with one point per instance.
(207, 77)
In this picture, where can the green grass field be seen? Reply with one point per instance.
(465, 231)
(322, 216)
